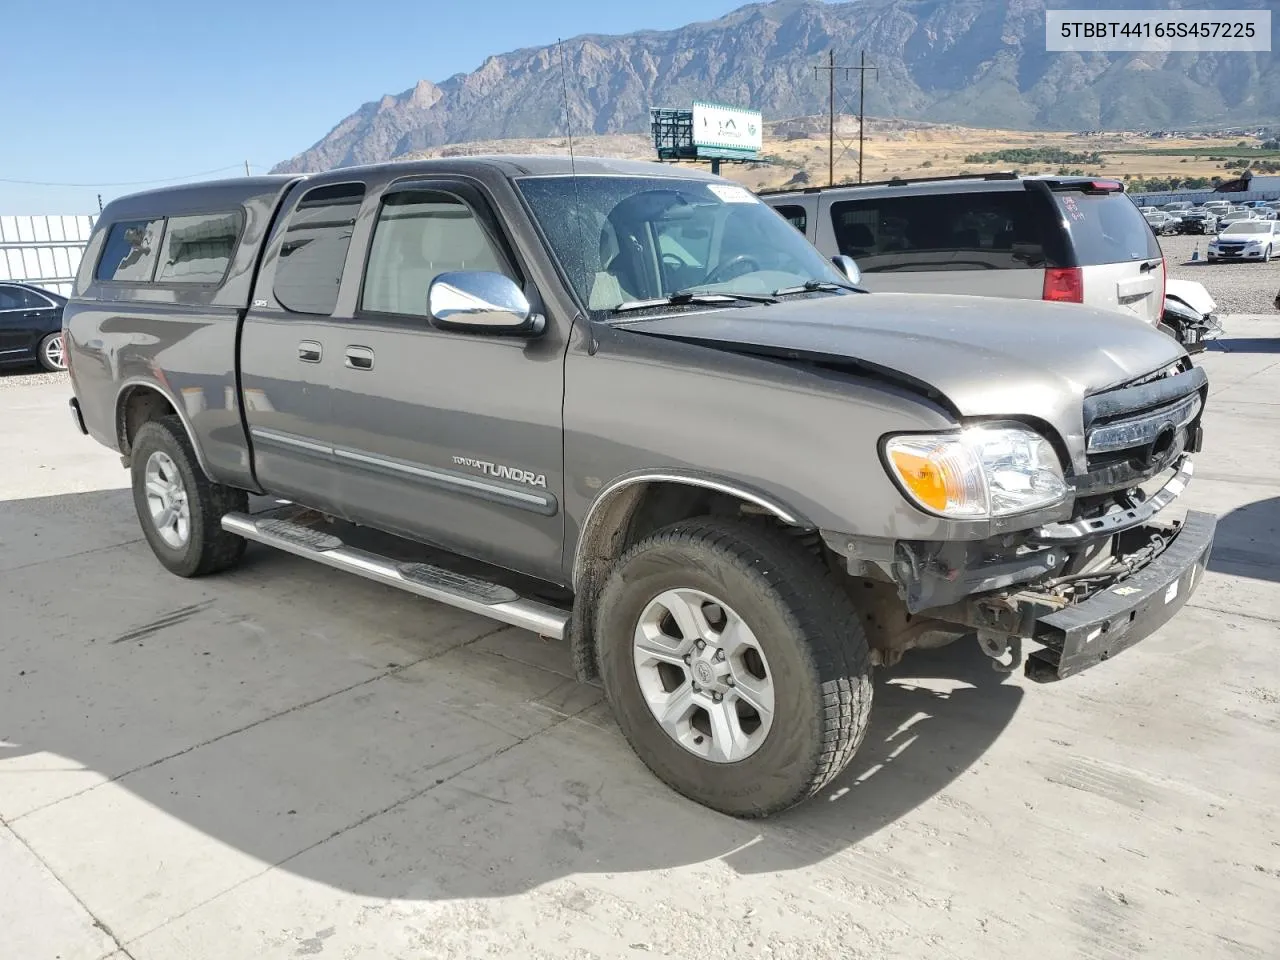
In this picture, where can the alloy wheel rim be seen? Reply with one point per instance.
(54, 353)
(167, 499)
(703, 675)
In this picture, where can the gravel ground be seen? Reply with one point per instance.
(1236, 287)
(30, 377)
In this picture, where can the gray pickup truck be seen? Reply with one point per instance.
(626, 405)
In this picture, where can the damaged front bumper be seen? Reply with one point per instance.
(1082, 589)
(1077, 636)
(1093, 630)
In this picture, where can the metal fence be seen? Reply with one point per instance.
(43, 251)
(1200, 196)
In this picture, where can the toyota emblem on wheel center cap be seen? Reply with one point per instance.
(702, 672)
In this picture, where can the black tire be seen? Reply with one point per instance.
(42, 353)
(208, 548)
(808, 631)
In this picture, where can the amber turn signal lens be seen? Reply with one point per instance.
(923, 477)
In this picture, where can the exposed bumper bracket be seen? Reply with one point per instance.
(1080, 636)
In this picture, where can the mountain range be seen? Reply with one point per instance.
(970, 62)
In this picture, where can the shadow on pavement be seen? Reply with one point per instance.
(376, 742)
(1245, 542)
(1245, 345)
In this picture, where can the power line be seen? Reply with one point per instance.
(124, 183)
(830, 69)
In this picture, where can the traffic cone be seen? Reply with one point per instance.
(1195, 254)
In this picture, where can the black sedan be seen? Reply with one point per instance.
(31, 326)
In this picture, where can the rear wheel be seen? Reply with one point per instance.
(179, 508)
(51, 354)
(735, 664)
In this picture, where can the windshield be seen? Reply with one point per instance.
(1251, 226)
(627, 239)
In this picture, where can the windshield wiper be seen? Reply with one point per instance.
(682, 297)
(816, 286)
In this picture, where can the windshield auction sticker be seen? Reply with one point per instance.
(1158, 30)
(731, 194)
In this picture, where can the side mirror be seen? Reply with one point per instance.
(849, 267)
(481, 302)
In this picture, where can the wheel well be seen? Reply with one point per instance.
(627, 515)
(139, 405)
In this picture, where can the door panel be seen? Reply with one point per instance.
(291, 348)
(450, 438)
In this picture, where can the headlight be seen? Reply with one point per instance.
(977, 473)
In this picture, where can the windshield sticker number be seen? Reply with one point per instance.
(732, 194)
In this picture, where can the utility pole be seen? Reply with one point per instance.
(99, 203)
(831, 69)
(862, 97)
(246, 169)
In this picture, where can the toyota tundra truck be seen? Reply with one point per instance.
(626, 406)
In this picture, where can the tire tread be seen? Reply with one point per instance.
(219, 550)
(826, 618)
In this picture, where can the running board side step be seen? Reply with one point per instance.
(435, 583)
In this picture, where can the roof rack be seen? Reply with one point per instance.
(994, 175)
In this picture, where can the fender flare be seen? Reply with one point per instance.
(155, 386)
(734, 489)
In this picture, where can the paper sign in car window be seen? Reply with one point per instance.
(731, 194)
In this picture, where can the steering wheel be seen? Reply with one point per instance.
(715, 275)
(673, 263)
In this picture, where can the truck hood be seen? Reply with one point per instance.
(986, 356)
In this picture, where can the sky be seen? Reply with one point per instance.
(102, 93)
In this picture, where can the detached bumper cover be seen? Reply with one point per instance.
(1098, 628)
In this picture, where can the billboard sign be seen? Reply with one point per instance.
(728, 131)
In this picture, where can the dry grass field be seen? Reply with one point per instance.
(904, 148)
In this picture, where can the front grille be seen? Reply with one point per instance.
(1145, 428)
(1135, 431)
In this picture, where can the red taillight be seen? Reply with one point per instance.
(1106, 186)
(1064, 284)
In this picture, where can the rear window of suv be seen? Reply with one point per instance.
(1105, 228)
(978, 230)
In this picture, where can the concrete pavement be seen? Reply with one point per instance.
(287, 761)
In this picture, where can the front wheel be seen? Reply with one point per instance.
(1266, 256)
(735, 664)
(179, 508)
(51, 353)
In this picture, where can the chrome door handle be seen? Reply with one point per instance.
(309, 351)
(359, 358)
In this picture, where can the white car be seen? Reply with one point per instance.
(1246, 240)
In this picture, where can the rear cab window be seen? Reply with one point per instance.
(198, 249)
(131, 250)
(1105, 228)
(314, 250)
